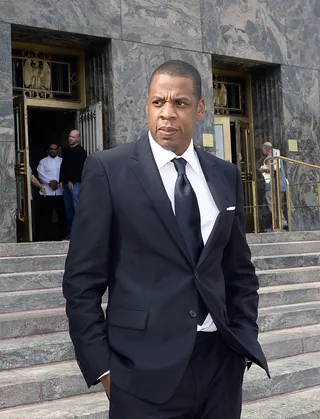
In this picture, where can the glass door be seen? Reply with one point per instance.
(22, 170)
(222, 137)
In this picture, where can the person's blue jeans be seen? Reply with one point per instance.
(70, 201)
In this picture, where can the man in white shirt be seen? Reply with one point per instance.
(161, 225)
(52, 199)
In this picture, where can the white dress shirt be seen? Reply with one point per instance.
(49, 169)
(207, 207)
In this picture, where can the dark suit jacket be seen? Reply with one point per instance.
(125, 238)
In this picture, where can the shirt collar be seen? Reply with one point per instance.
(163, 156)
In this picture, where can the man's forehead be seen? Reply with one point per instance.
(174, 83)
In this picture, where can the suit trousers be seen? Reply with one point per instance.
(211, 387)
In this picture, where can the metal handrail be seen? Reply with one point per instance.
(274, 160)
(301, 163)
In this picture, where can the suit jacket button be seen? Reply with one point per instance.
(196, 275)
(193, 314)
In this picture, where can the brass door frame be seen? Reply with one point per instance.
(247, 119)
(52, 103)
(241, 122)
(22, 170)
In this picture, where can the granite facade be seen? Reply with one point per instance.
(301, 112)
(95, 17)
(7, 149)
(252, 29)
(278, 40)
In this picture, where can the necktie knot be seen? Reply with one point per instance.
(180, 166)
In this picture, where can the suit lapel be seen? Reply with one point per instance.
(217, 189)
(145, 169)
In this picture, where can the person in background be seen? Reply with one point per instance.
(269, 151)
(73, 158)
(52, 199)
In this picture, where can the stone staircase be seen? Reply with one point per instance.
(40, 379)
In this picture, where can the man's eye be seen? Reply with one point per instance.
(157, 102)
(181, 103)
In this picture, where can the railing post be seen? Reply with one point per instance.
(272, 191)
(288, 199)
(279, 203)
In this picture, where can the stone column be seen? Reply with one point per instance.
(8, 200)
(301, 113)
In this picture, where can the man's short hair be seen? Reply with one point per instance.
(53, 143)
(178, 68)
(267, 145)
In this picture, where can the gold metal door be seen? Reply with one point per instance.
(235, 145)
(89, 123)
(22, 170)
(245, 159)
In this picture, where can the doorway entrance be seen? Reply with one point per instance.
(233, 134)
(35, 129)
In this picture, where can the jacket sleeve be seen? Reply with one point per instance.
(241, 281)
(86, 272)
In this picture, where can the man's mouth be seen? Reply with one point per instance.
(167, 131)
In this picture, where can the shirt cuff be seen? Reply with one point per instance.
(103, 375)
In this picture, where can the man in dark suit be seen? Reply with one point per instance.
(160, 224)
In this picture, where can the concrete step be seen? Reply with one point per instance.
(286, 261)
(57, 347)
(35, 350)
(30, 280)
(28, 323)
(292, 236)
(287, 316)
(53, 298)
(42, 383)
(272, 277)
(289, 294)
(297, 405)
(270, 249)
(31, 263)
(54, 381)
(33, 249)
(89, 406)
(287, 375)
(31, 300)
(290, 342)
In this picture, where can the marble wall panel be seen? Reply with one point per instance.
(252, 29)
(132, 66)
(203, 63)
(301, 112)
(7, 151)
(303, 29)
(170, 23)
(95, 17)
(8, 199)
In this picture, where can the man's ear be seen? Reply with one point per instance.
(201, 109)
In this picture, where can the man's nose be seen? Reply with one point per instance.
(168, 111)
